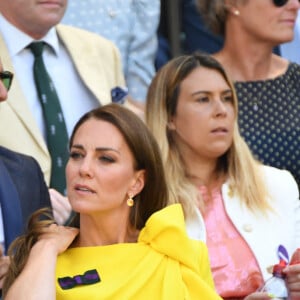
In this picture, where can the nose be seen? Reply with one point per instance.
(219, 108)
(3, 91)
(86, 167)
(294, 4)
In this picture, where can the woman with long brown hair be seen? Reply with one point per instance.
(249, 209)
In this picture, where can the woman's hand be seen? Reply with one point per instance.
(293, 281)
(57, 237)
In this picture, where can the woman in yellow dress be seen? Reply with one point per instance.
(128, 244)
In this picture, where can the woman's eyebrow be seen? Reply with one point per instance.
(98, 149)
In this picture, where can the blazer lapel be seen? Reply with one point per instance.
(17, 101)
(10, 205)
(87, 62)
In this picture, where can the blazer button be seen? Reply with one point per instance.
(230, 192)
(247, 227)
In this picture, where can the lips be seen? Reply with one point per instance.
(220, 129)
(50, 3)
(289, 21)
(57, 2)
(84, 188)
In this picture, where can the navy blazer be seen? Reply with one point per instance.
(22, 191)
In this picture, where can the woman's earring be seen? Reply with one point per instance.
(236, 12)
(130, 201)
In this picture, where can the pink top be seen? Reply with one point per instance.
(234, 267)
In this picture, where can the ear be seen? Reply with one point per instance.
(138, 183)
(231, 7)
(171, 125)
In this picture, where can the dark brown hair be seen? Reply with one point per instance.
(146, 153)
(214, 14)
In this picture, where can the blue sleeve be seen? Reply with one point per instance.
(142, 49)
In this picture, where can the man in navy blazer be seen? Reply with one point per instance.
(22, 191)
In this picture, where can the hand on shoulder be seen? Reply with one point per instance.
(56, 239)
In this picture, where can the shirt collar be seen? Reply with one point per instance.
(16, 40)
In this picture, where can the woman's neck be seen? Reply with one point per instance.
(105, 232)
(204, 173)
(248, 60)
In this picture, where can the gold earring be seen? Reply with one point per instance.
(130, 201)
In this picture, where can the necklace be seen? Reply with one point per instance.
(258, 94)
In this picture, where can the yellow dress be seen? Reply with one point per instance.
(163, 265)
